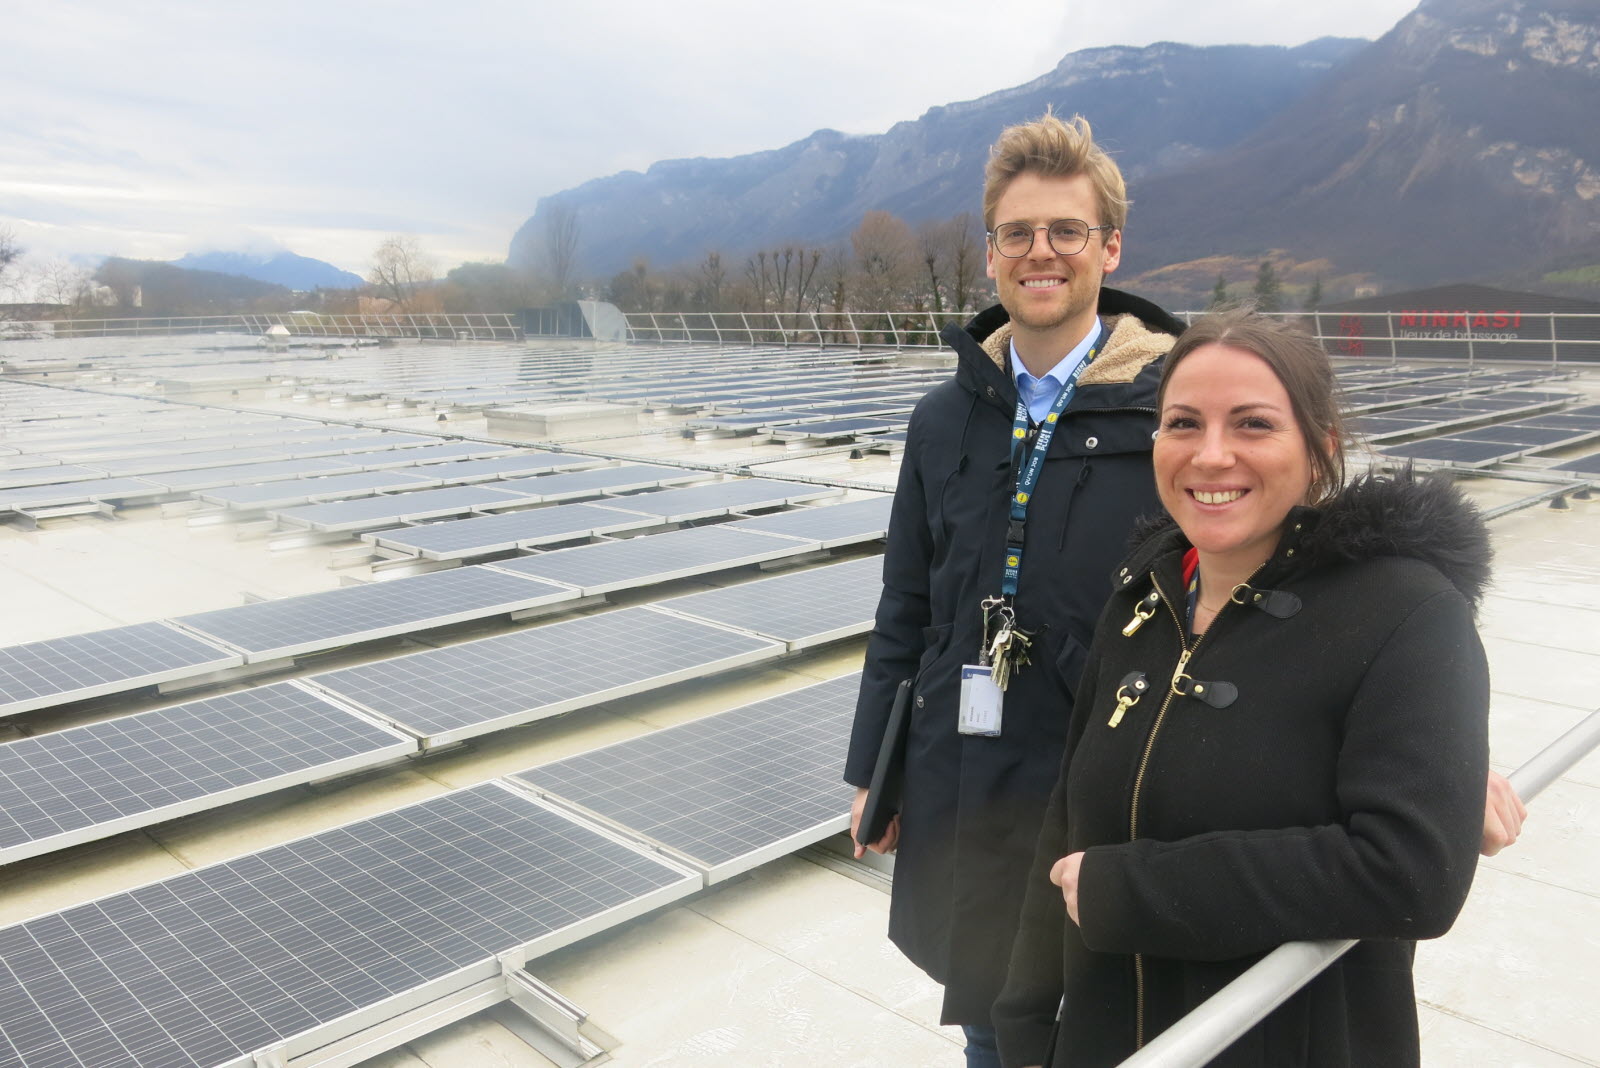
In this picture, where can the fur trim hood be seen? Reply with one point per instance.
(1129, 346)
(1425, 518)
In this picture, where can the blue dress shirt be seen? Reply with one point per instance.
(1040, 393)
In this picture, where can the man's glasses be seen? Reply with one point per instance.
(1067, 237)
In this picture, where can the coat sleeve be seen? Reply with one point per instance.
(1398, 865)
(896, 643)
(1025, 1012)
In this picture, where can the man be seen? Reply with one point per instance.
(1054, 206)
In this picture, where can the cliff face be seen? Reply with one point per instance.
(1157, 108)
(1463, 144)
(1460, 146)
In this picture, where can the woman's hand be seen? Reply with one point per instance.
(1065, 875)
(891, 833)
(1503, 813)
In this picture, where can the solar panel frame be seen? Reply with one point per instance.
(92, 781)
(1453, 452)
(824, 524)
(422, 455)
(801, 608)
(291, 492)
(350, 937)
(727, 792)
(392, 509)
(489, 468)
(540, 672)
(190, 461)
(271, 471)
(35, 674)
(837, 428)
(722, 498)
(308, 623)
(97, 489)
(481, 535)
(606, 567)
(598, 481)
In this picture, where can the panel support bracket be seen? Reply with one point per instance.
(544, 1019)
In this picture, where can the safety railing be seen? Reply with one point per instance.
(1393, 336)
(452, 326)
(1239, 1006)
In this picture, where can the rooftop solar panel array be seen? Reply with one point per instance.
(390, 509)
(609, 566)
(830, 525)
(290, 948)
(80, 666)
(728, 791)
(619, 479)
(721, 498)
(292, 626)
(801, 609)
(456, 539)
(290, 492)
(87, 782)
(476, 687)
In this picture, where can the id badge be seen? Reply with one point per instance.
(980, 701)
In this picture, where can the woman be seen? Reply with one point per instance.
(1280, 734)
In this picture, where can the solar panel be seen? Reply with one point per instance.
(96, 489)
(1522, 434)
(291, 626)
(81, 666)
(426, 454)
(508, 466)
(290, 492)
(88, 782)
(469, 689)
(839, 428)
(721, 498)
(1566, 421)
(460, 538)
(392, 508)
(45, 474)
(726, 792)
(318, 938)
(1460, 452)
(601, 480)
(189, 461)
(804, 608)
(1583, 465)
(211, 477)
(831, 525)
(616, 565)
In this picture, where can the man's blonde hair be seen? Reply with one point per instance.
(1055, 149)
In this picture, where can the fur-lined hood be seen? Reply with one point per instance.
(1427, 519)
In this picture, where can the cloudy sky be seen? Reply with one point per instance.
(155, 129)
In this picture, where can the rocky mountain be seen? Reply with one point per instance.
(1461, 146)
(300, 273)
(1158, 108)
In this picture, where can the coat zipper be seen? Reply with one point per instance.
(1144, 762)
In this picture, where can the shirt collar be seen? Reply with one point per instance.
(1022, 376)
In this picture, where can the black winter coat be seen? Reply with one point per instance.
(972, 806)
(1315, 772)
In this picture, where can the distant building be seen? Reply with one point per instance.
(1460, 320)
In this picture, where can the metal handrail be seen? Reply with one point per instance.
(1218, 1021)
(1398, 336)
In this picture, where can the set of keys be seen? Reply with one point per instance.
(1007, 651)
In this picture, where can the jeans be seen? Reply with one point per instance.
(982, 1048)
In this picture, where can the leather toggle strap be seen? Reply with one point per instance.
(1279, 604)
(1215, 694)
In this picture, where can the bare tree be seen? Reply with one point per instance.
(56, 281)
(709, 283)
(885, 254)
(10, 255)
(965, 260)
(561, 246)
(399, 269)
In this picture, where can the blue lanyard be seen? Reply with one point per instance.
(1029, 475)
